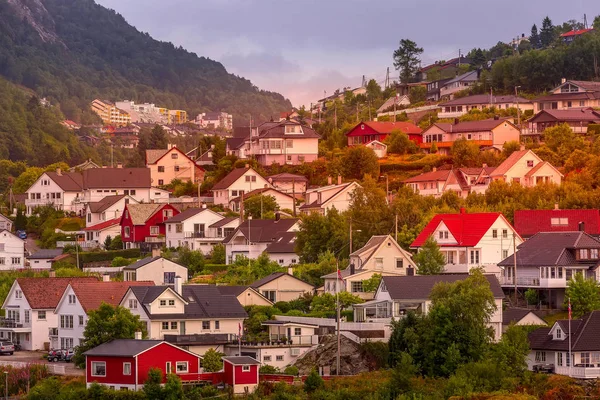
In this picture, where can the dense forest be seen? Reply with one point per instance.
(74, 51)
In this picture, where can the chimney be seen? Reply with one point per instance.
(352, 269)
(156, 252)
(204, 205)
(556, 207)
(106, 278)
(581, 226)
(496, 117)
(138, 335)
(329, 180)
(119, 165)
(247, 166)
(339, 179)
(463, 210)
(277, 216)
(434, 169)
(178, 285)
(58, 172)
(484, 165)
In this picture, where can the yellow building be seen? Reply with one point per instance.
(110, 114)
(177, 117)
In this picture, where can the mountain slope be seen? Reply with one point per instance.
(72, 51)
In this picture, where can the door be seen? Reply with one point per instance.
(182, 327)
(410, 271)
(168, 367)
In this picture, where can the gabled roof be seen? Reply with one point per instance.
(223, 222)
(470, 76)
(259, 191)
(45, 254)
(471, 126)
(276, 275)
(153, 155)
(139, 213)
(123, 348)
(146, 261)
(418, 287)
(235, 142)
(116, 178)
(103, 225)
(388, 127)
(512, 160)
(584, 335)
(277, 130)
(319, 203)
(485, 99)
(467, 228)
(92, 294)
(573, 115)
(576, 32)
(552, 248)
(105, 203)
(243, 360)
(67, 181)
(286, 177)
(45, 293)
(236, 290)
(439, 175)
(514, 315)
(284, 243)
(182, 216)
(263, 230)
(232, 177)
(530, 222)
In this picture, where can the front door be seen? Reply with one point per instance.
(182, 328)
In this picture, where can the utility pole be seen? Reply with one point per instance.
(387, 78)
(335, 114)
(337, 301)
(357, 112)
(294, 194)
(459, 57)
(515, 267)
(350, 235)
(395, 102)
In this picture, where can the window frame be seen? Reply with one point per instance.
(94, 365)
(126, 364)
(180, 363)
(245, 368)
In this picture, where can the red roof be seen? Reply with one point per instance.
(103, 225)
(388, 127)
(45, 293)
(92, 294)
(576, 33)
(530, 222)
(467, 228)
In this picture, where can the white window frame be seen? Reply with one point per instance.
(96, 364)
(181, 363)
(126, 368)
(245, 368)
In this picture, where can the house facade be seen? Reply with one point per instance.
(367, 131)
(461, 106)
(5, 223)
(462, 181)
(236, 183)
(461, 82)
(56, 189)
(577, 119)
(43, 259)
(471, 240)
(167, 165)
(322, 199)
(12, 251)
(109, 208)
(548, 260)
(570, 94)
(284, 201)
(281, 286)
(215, 120)
(155, 269)
(380, 255)
(143, 225)
(526, 168)
(397, 295)
(486, 133)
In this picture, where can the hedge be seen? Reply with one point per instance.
(593, 129)
(95, 256)
(415, 165)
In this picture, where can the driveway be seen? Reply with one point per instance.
(38, 357)
(30, 244)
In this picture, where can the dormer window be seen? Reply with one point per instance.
(584, 254)
(558, 333)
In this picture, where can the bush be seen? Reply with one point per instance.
(291, 370)
(96, 256)
(268, 369)
(313, 382)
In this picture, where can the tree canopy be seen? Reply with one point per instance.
(584, 294)
(406, 59)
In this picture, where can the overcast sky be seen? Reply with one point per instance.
(301, 48)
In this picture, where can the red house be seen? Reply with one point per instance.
(530, 222)
(123, 364)
(241, 373)
(143, 225)
(367, 131)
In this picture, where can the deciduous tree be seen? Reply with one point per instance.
(465, 152)
(399, 143)
(260, 207)
(430, 260)
(212, 361)
(359, 161)
(584, 294)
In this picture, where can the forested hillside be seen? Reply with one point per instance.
(74, 51)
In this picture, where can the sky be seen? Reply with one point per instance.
(304, 49)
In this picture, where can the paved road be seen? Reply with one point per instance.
(36, 357)
(30, 244)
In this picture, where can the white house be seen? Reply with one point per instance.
(155, 269)
(5, 223)
(57, 189)
(323, 199)
(110, 207)
(182, 311)
(380, 255)
(253, 237)
(193, 228)
(397, 295)
(77, 300)
(526, 168)
(471, 240)
(284, 201)
(380, 149)
(99, 232)
(43, 259)
(281, 286)
(12, 251)
(29, 311)
(236, 183)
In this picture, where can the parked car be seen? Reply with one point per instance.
(69, 355)
(7, 348)
(22, 235)
(56, 355)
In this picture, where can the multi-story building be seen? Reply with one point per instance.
(369, 131)
(177, 117)
(145, 113)
(570, 94)
(143, 225)
(110, 113)
(236, 183)
(169, 164)
(526, 168)
(461, 106)
(215, 120)
(461, 82)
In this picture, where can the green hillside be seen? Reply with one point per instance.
(74, 51)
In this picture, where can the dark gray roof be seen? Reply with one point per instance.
(122, 348)
(511, 315)
(244, 360)
(418, 287)
(263, 230)
(285, 176)
(203, 301)
(105, 203)
(230, 178)
(235, 142)
(45, 254)
(277, 130)
(190, 212)
(284, 243)
(199, 339)
(232, 290)
(553, 248)
(142, 262)
(585, 335)
(223, 222)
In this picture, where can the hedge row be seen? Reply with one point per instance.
(95, 256)
(415, 165)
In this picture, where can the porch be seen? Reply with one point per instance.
(591, 372)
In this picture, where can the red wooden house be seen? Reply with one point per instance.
(143, 225)
(241, 373)
(367, 131)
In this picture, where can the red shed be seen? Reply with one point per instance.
(145, 224)
(241, 373)
(367, 131)
(124, 363)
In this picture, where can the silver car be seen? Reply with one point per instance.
(7, 348)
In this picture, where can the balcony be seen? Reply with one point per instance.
(579, 372)
(42, 202)
(194, 235)
(88, 244)
(521, 281)
(12, 325)
(281, 340)
(451, 114)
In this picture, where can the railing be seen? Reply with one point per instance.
(579, 372)
(194, 235)
(54, 369)
(305, 340)
(451, 114)
(535, 131)
(521, 281)
(52, 332)
(42, 201)
(450, 143)
(11, 323)
(88, 244)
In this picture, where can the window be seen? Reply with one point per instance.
(16, 260)
(66, 321)
(560, 359)
(161, 182)
(594, 254)
(19, 294)
(540, 356)
(530, 163)
(174, 156)
(504, 254)
(585, 358)
(72, 299)
(165, 326)
(505, 233)
(474, 256)
(161, 168)
(246, 368)
(98, 368)
(27, 316)
(441, 234)
(171, 302)
(279, 358)
(14, 315)
(379, 263)
(174, 325)
(266, 358)
(126, 368)
(559, 221)
(127, 231)
(399, 263)
(356, 287)
(495, 233)
(205, 324)
(181, 366)
(270, 294)
(169, 277)
(178, 228)
(81, 320)
(583, 254)
(163, 303)
(297, 331)
(558, 333)
(217, 325)
(42, 315)
(133, 303)
(154, 230)
(281, 261)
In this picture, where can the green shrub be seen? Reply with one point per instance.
(95, 256)
(268, 369)
(212, 268)
(291, 370)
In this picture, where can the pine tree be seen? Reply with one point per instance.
(547, 34)
(534, 38)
